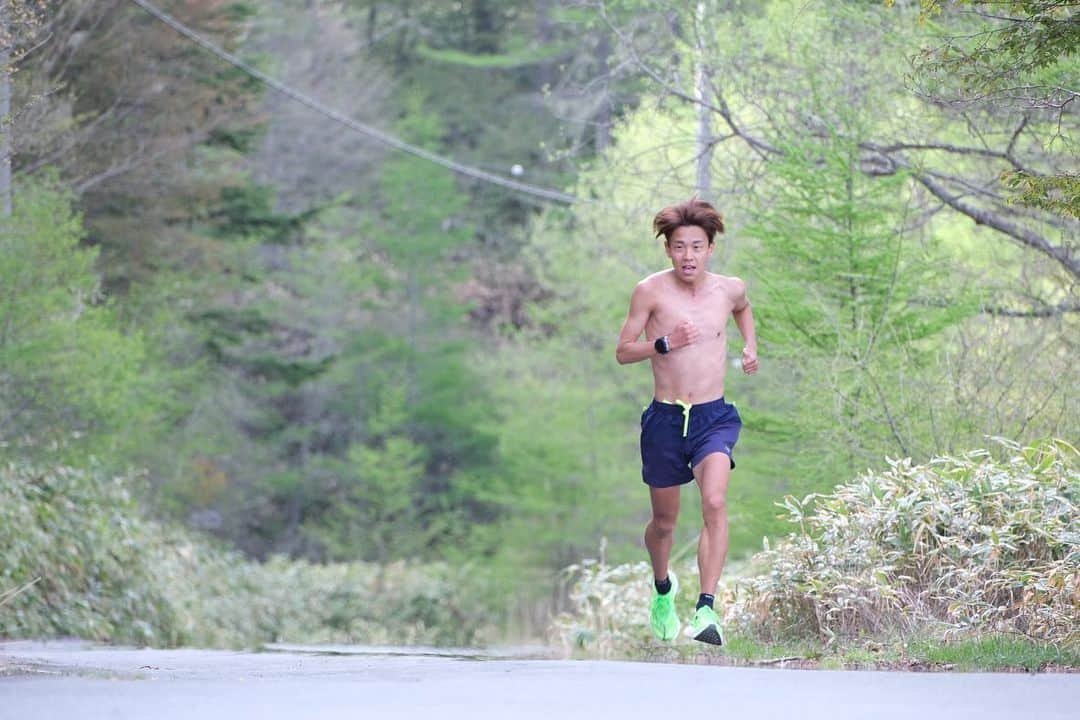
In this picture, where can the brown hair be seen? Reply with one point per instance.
(692, 212)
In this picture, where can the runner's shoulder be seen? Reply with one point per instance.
(654, 283)
(733, 285)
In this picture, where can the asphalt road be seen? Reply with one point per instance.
(71, 680)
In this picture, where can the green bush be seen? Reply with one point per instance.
(103, 572)
(972, 546)
(609, 607)
(77, 534)
(969, 543)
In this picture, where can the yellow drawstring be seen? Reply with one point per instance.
(686, 413)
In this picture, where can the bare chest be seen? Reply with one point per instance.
(709, 314)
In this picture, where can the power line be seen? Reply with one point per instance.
(378, 135)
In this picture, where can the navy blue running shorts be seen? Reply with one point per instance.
(676, 437)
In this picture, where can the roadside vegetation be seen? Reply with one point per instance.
(80, 560)
(962, 562)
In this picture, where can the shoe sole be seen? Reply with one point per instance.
(710, 635)
(660, 637)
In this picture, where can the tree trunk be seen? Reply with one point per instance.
(5, 111)
(545, 71)
(703, 185)
(485, 31)
(603, 114)
(372, 19)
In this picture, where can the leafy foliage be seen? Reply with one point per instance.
(68, 374)
(137, 140)
(960, 544)
(78, 535)
(959, 547)
(1020, 53)
(379, 508)
(1026, 36)
(841, 273)
(1059, 194)
(80, 559)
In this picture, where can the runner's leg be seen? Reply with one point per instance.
(660, 532)
(712, 475)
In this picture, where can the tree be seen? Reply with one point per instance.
(69, 378)
(1012, 55)
(334, 310)
(309, 159)
(841, 266)
(380, 510)
(142, 124)
(20, 21)
(959, 165)
(868, 289)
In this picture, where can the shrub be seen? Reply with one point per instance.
(971, 545)
(610, 607)
(960, 543)
(75, 533)
(80, 560)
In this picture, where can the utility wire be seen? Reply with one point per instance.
(378, 135)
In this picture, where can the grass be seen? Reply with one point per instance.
(986, 654)
(737, 651)
(998, 653)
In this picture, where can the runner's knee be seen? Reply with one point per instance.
(663, 523)
(713, 505)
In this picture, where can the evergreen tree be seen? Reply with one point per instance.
(70, 379)
(841, 273)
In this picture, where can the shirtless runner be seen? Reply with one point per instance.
(688, 432)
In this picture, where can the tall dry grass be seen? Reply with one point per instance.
(985, 543)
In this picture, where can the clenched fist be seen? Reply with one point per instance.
(749, 361)
(685, 333)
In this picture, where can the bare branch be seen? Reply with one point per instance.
(981, 216)
(650, 70)
(1016, 135)
(1043, 312)
(959, 150)
(760, 146)
(1039, 311)
(722, 109)
(887, 158)
(77, 138)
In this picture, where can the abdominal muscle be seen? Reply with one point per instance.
(693, 374)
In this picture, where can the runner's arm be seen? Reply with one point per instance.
(630, 349)
(744, 320)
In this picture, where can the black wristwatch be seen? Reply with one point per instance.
(662, 346)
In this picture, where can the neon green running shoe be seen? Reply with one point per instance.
(705, 627)
(662, 615)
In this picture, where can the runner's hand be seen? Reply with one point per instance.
(749, 361)
(685, 333)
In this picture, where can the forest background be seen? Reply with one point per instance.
(237, 318)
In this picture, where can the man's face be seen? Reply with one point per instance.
(689, 250)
